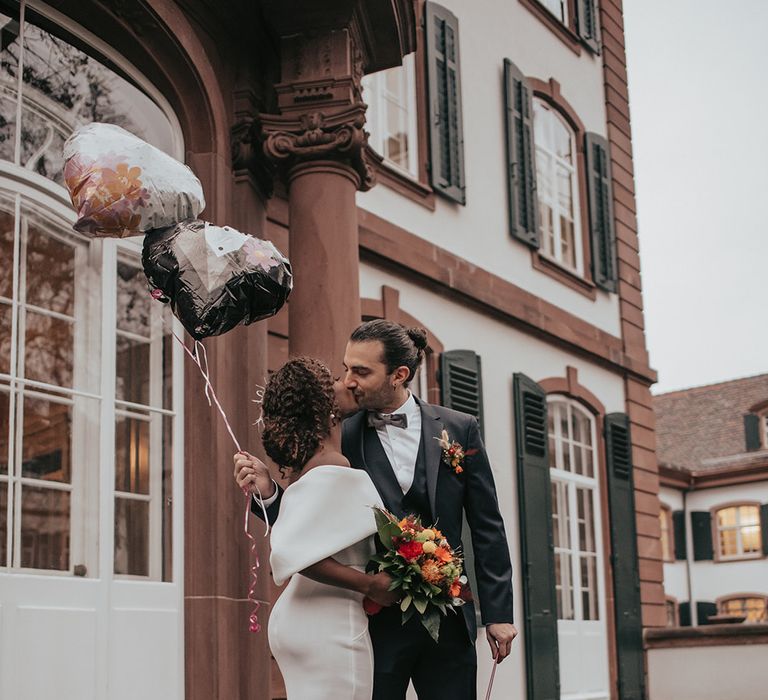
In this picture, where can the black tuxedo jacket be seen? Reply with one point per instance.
(450, 496)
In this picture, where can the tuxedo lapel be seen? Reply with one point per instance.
(431, 427)
(362, 447)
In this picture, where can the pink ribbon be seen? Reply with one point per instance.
(200, 358)
(490, 683)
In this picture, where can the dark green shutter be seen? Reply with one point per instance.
(521, 160)
(701, 532)
(461, 388)
(684, 613)
(764, 526)
(626, 574)
(602, 228)
(446, 135)
(703, 610)
(586, 14)
(537, 548)
(461, 383)
(752, 431)
(678, 525)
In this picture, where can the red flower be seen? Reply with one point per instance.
(410, 550)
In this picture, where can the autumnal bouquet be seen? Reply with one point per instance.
(424, 568)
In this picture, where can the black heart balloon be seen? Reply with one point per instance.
(215, 277)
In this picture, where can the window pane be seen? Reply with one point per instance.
(50, 272)
(48, 350)
(3, 523)
(589, 588)
(132, 380)
(131, 537)
(131, 455)
(5, 336)
(5, 427)
(728, 543)
(588, 458)
(46, 447)
(8, 74)
(44, 528)
(749, 515)
(167, 496)
(6, 236)
(134, 304)
(726, 516)
(750, 539)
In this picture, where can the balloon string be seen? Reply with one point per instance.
(490, 683)
(202, 365)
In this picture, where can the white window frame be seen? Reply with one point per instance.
(562, 15)
(556, 256)
(92, 486)
(375, 95)
(569, 484)
(737, 527)
(96, 268)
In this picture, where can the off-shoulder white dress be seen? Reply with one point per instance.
(319, 633)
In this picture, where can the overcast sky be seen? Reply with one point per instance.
(698, 91)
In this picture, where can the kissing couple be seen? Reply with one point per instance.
(346, 445)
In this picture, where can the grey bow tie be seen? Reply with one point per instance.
(379, 420)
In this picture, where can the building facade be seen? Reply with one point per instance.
(713, 457)
(503, 222)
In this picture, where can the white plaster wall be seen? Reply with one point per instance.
(504, 351)
(708, 673)
(710, 579)
(672, 498)
(490, 31)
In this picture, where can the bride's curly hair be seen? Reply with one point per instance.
(299, 408)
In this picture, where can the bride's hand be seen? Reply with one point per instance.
(252, 475)
(378, 590)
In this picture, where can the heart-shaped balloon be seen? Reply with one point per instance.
(123, 186)
(215, 277)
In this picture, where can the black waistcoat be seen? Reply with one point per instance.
(416, 500)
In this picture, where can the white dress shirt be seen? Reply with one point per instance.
(401, 445)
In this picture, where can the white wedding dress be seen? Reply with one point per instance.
(319, 633)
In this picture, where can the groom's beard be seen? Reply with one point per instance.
(376, 400)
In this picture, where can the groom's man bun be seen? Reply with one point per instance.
(403, 347)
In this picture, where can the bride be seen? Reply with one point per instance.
(318, 631)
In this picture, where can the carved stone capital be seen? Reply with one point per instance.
(290, 140)
(248, 155)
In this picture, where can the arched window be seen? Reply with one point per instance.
(89, 379)
(738, 531)
(575, 509)
(557, 188)
(753, 607)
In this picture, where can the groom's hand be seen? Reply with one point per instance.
(378, 590)
(500, 636)
(252, 475)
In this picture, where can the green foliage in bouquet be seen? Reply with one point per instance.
(423, 567)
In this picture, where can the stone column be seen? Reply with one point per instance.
(319, 144)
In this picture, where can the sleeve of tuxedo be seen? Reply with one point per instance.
(272, 510)
(493, 568)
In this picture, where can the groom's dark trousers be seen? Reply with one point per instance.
(446, 670)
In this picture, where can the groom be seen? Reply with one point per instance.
(392, 437)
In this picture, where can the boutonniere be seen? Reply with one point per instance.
(453, 452)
